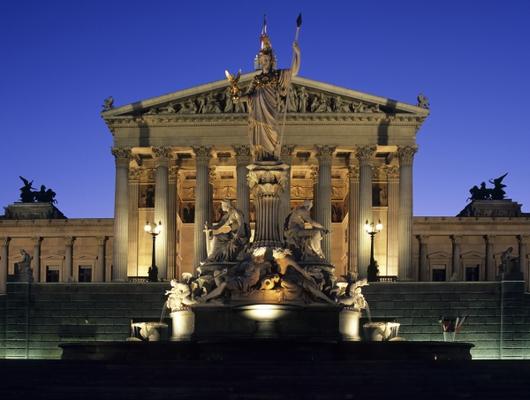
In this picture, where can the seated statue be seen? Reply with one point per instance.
(303, 234)
(228, 237)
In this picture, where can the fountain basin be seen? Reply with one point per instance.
(381, 331)
(148, 331)
(265, 317)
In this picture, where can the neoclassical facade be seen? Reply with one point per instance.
(350, 152)
(178, 155)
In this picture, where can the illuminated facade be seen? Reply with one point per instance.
(178, 155)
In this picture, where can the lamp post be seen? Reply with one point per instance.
(372, 229)
(153, 229)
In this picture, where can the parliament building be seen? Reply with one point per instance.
(179, 155)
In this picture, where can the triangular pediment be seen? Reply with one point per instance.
(306, 97)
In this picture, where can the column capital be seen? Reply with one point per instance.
(365, 154)
(490, 239)
(456, 239)
(122, 155)
(202, 154)
(36, 240)
(325, 154)
(406, 154)
(162, 155)
(173, 172)
(212, 174)
(243, 154)
(4, 241)
(523, 239)
(134, 174)
(423, 239)
(101, 240)
(69, 240)
(287, 151)
(353, 172)
(313, 174)
(392, 173)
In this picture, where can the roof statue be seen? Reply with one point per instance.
(423, 101)
(263, 97)
(483, 193)
(108, 103)
(29, 195)
(490, 202)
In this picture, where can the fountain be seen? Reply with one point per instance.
(276, 296)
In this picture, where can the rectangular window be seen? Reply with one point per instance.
(439, 274)
(52, 273)
(85, 273)
(472, 272)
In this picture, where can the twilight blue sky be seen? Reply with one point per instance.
(60, 59)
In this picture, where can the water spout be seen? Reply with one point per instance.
(163, 313)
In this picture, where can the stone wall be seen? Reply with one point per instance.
(499, 313)
(35, 319)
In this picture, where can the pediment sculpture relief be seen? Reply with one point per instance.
(301, 100)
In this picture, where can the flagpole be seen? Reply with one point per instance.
(284, 117)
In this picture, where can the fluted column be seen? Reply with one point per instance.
(323, 212)
(172, 223)
(68, 272)
(365, 155)
(243, 158)
(132, 259)
(523, 254)
(423, 264)
(162, 156)
(406, 156)
(490, 268)
(36, 259)
(314, 182)
(456, 272)
(285, 196)
(202, 160)
(4, 263)
(121, 214)
(99, 275)
(392, 173)
(353, 216)
(212, 177)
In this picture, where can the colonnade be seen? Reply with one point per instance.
(7, 250)
(360, 172)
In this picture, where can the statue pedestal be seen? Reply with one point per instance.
(33, 211)
(492, 208)
(267, 180)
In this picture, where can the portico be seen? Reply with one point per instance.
(179, 155)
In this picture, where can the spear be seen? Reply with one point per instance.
(296, 35)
